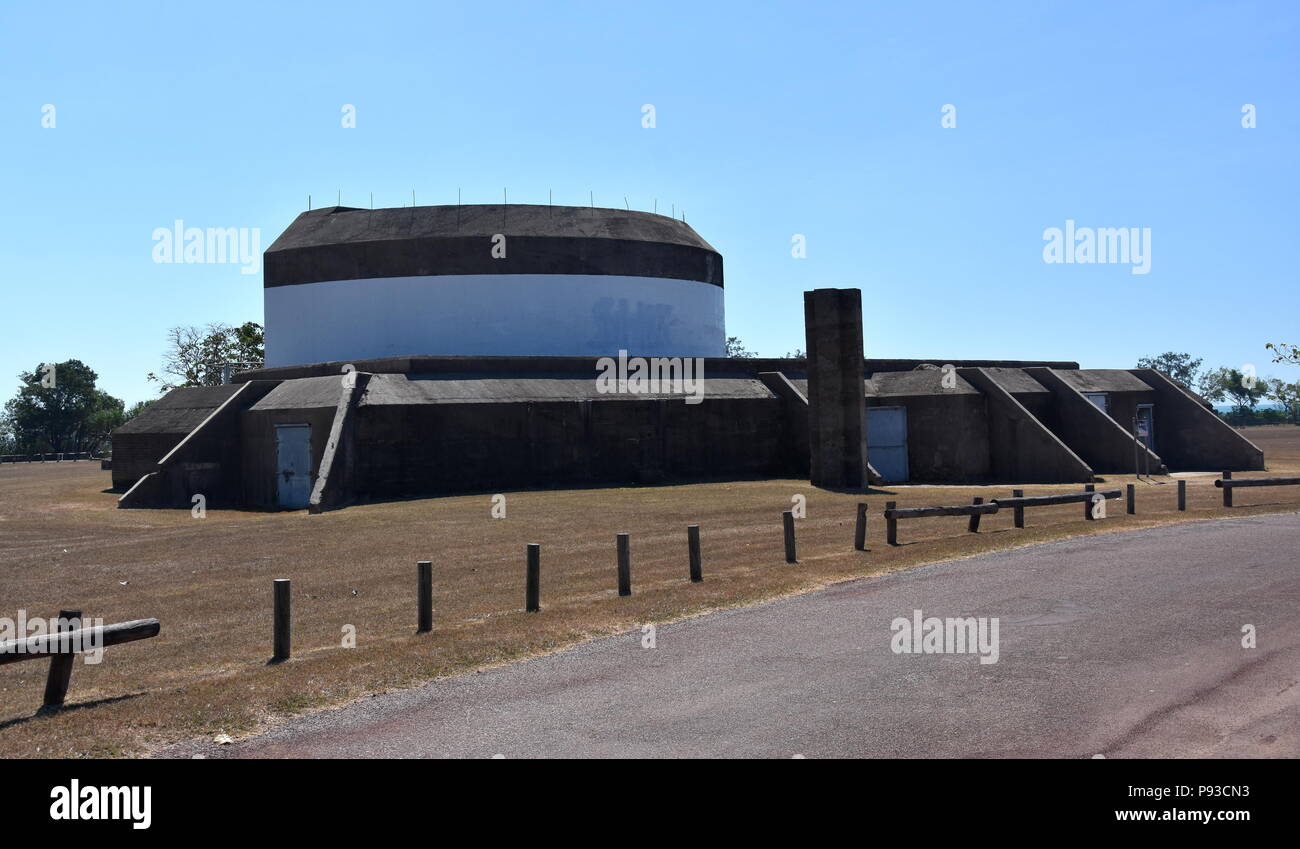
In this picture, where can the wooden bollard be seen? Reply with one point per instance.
(891, 524)
(56, 682)
(424, 595)
(974, 525)
(282, 618)
(1227, 490)
(1182, 495)
(1087, 505)
(1018, 513)
(624, 564)
(787, 522)
(1130, 499)
(533, 579)
(693, 548)
(860, 530)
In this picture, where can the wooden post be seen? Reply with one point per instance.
(533, 580)
(424, 594)
(1087, 505)
(891, 524)
(1018, 512)
(1182, 495)
(1227, 490)
(974, 525)
(56, 683)
(787, 523)
(860, 531)
(624, 565)
(1130, 496)
(280, 594)
(693, 546)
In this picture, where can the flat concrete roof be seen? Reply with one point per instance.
(179, 411)
(918, 382)
(345, 243)
(1103, 380)
(303, 394)
(1015, 381)
(385, 389)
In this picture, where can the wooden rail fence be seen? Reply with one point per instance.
(62, 648)
(1227, 484)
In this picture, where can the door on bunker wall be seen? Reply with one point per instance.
(887, 442)
(1146, 425)
(293, 465)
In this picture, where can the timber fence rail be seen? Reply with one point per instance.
(893, 514)
(63, 646)
(1227, 484)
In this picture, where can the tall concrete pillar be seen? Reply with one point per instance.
(837, 416)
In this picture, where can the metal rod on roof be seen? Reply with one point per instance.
(625, 201)
(340, 200)
(309, 203)
(656, 206)
(412, 197)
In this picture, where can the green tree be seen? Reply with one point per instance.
(1243, 390)
(195, 356)
(1180, 367)
(1284, 352)
(60, 409)
(736, 348)
(1288, 395)
(135, 409)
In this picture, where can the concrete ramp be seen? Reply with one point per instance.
(206, 462)
(1191, 436)
(335, 479)
(1021, 448)
(1092, 434)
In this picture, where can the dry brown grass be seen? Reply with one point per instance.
(209, 581)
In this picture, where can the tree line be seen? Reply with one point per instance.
(1241, 388)
(59, 407)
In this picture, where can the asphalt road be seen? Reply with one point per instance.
(1126, 644)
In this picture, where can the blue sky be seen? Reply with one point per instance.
(772, 120)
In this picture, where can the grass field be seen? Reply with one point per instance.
(64, 544)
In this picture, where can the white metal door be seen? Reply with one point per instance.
(887, 442)
(293, 465)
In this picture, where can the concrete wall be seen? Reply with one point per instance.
(947, 436)
(1095, 436)
(1021, 448)
(837, 419)
(438, 448)
(258, 454)
(487, 314)
(137, 454)
(1189, 436)
(207, 462)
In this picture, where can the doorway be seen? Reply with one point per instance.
(887, 442)
(293, 478)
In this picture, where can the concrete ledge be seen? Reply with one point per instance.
(1193, 437)
(1092, 434)
(1021, 449)
(334, 486)
(204, 462)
